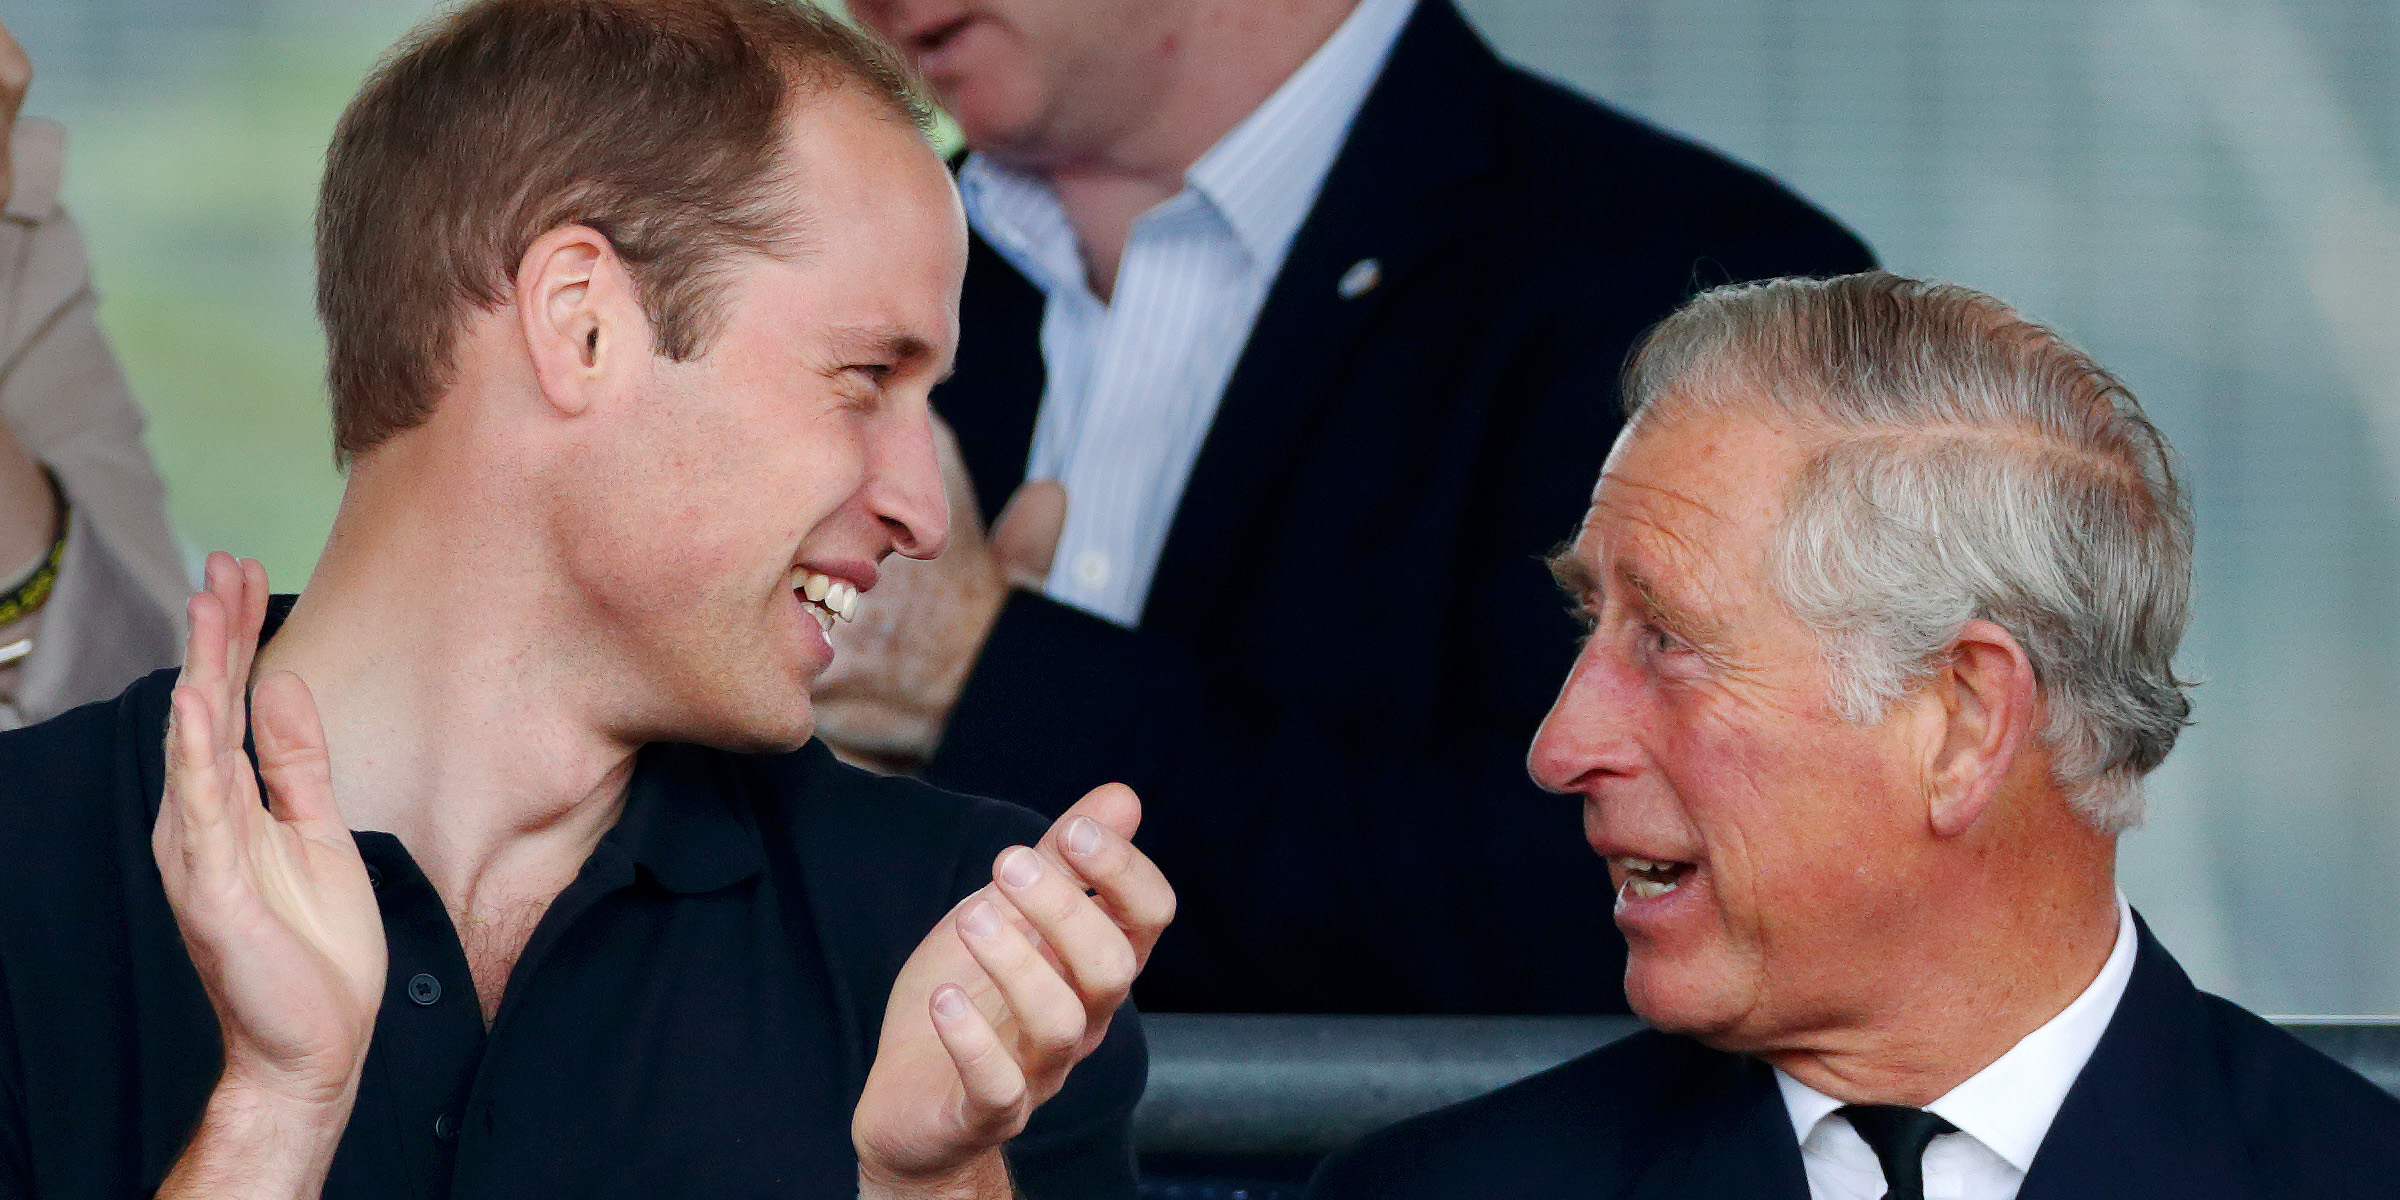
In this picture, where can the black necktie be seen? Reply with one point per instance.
(1898, 1136)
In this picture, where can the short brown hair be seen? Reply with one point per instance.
(654, 122)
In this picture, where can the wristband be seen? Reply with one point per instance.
(27, 597)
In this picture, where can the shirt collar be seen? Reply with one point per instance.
(1261, 178)
(1264, 175)
(2008, 1105)
(683, 822)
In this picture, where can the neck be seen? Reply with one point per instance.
(1986, 963)
(1232, 56)
(451, 718)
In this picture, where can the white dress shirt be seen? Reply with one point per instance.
(1134, 383)
(2002, 1111)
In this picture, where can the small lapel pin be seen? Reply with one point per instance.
(1360, 279)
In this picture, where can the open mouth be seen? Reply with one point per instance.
(1647, 878)
(824, 597)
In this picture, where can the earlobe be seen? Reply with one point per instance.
(1984, 699)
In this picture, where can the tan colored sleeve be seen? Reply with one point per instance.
(98, 632)
(123, 581)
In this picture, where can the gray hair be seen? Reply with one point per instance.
(1974, 465)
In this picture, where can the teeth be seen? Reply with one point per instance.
(1631, 863)
(841, 599)
(828, 597)
(1645, 889)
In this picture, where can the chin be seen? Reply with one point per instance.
(1685, 994)
(763, 726)
(996, 113)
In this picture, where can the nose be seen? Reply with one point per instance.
(1591, 731)
(914, 483)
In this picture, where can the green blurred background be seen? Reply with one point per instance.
(195, 182)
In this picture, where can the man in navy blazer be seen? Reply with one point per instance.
(1883, 585)
(1340, 467)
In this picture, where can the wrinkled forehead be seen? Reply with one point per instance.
(1689, 503)
(1700, 473)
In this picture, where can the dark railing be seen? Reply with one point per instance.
(1240, 1107)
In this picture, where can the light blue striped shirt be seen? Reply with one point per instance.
(1134, 383)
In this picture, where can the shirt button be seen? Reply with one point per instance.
(424, 989)
(1091, 568)
(445, 1127)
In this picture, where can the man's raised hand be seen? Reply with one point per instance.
(1013, 988)
(273, 903)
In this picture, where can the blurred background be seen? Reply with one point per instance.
(2204, 193)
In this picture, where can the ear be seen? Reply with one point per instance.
(1982, 707)
(583, 324)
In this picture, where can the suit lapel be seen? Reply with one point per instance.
(1423, 128)
(2149, 1114)
(1736, 1142)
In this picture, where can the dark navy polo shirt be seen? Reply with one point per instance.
(693, 1016)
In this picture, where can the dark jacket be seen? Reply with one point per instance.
(2185, 1096)
(1352, 637)
(694, 1016)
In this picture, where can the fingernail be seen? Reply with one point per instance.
(950, 1002)
(981, 919)
(1019, 867)
(1083, 835)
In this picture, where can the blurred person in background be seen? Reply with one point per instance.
(91, 583)
(1305, 321)
(1883, 586)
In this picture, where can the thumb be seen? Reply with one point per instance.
(1111, 804)
(1025, 538)
(291, 750)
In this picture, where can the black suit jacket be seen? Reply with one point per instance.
(1351, 636)
(2186, 1096)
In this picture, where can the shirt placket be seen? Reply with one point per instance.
(477, 1118)
(429, 1036)
(1125, 455)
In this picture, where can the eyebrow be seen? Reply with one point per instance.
(899, 345)
(1689, 625)
(1573, 576)
(1577, 579)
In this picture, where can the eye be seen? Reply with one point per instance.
(874, 373)
(1658, 639)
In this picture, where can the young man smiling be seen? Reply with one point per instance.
(633, 307)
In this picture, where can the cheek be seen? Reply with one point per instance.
(1780, 801)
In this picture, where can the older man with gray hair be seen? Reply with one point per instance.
(1884, 584)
